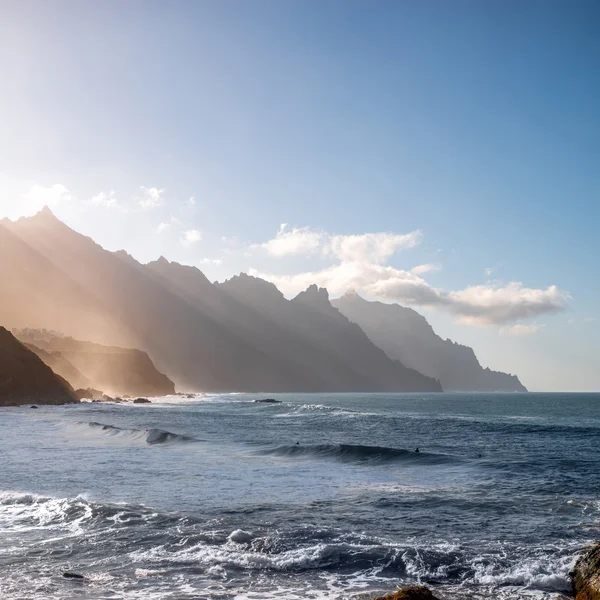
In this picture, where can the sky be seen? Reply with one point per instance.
(443, 155)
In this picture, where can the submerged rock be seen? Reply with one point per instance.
(268, 401)
(70, 575)
(416, 592)
(141, 401)
(586, 575)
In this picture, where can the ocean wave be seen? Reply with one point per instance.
(161, 548)
(151, 436)
(357, 453)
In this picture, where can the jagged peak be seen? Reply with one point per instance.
(314, 295)
(45, 214)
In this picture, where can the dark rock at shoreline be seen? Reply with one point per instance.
(268, 401)
(89, 394)
(141, 401)
(416, 592)
(24, 376)
(586, 575)
(34, 406)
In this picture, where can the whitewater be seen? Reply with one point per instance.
(306, 496)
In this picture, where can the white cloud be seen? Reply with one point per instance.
(518, 330)
(487, 304)
(426, 268)
(191, 201)
(369, 247)
(150, 197)
(211, 261)
(106, 199)
(476, 305)
(488, 271)
(165, 225)
(372, 247)
(190, 237)
(294, 241)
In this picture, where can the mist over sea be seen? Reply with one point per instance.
(312, 496)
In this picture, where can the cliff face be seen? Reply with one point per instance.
(116, 371)
(405, 335)
(25, 379)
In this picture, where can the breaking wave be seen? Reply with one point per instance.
(151, 436)
(358, 453)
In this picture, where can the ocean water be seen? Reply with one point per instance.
(315, 496)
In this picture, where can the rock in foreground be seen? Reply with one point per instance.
(24, 378)
(416, 592)
(586, 575)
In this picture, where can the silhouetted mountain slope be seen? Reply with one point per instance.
(60, 365)
(304, 366)
(312, 318)
(25, 379)
(38, 293)
(114, 370)
(405, 335)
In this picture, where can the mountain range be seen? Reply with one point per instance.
(239, 335)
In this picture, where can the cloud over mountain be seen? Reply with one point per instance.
(360, 264)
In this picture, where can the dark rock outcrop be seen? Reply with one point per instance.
(25, 378)
(409, 593)
(586, 575)
(142, 401)
(89, 394)
(405, 335)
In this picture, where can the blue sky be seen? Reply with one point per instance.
(195, 129)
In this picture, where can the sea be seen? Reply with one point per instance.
(299, 496)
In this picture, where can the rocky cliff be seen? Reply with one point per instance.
(586, 575)
(25, 379)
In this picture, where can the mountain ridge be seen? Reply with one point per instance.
(405, 334)
(238, 335)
